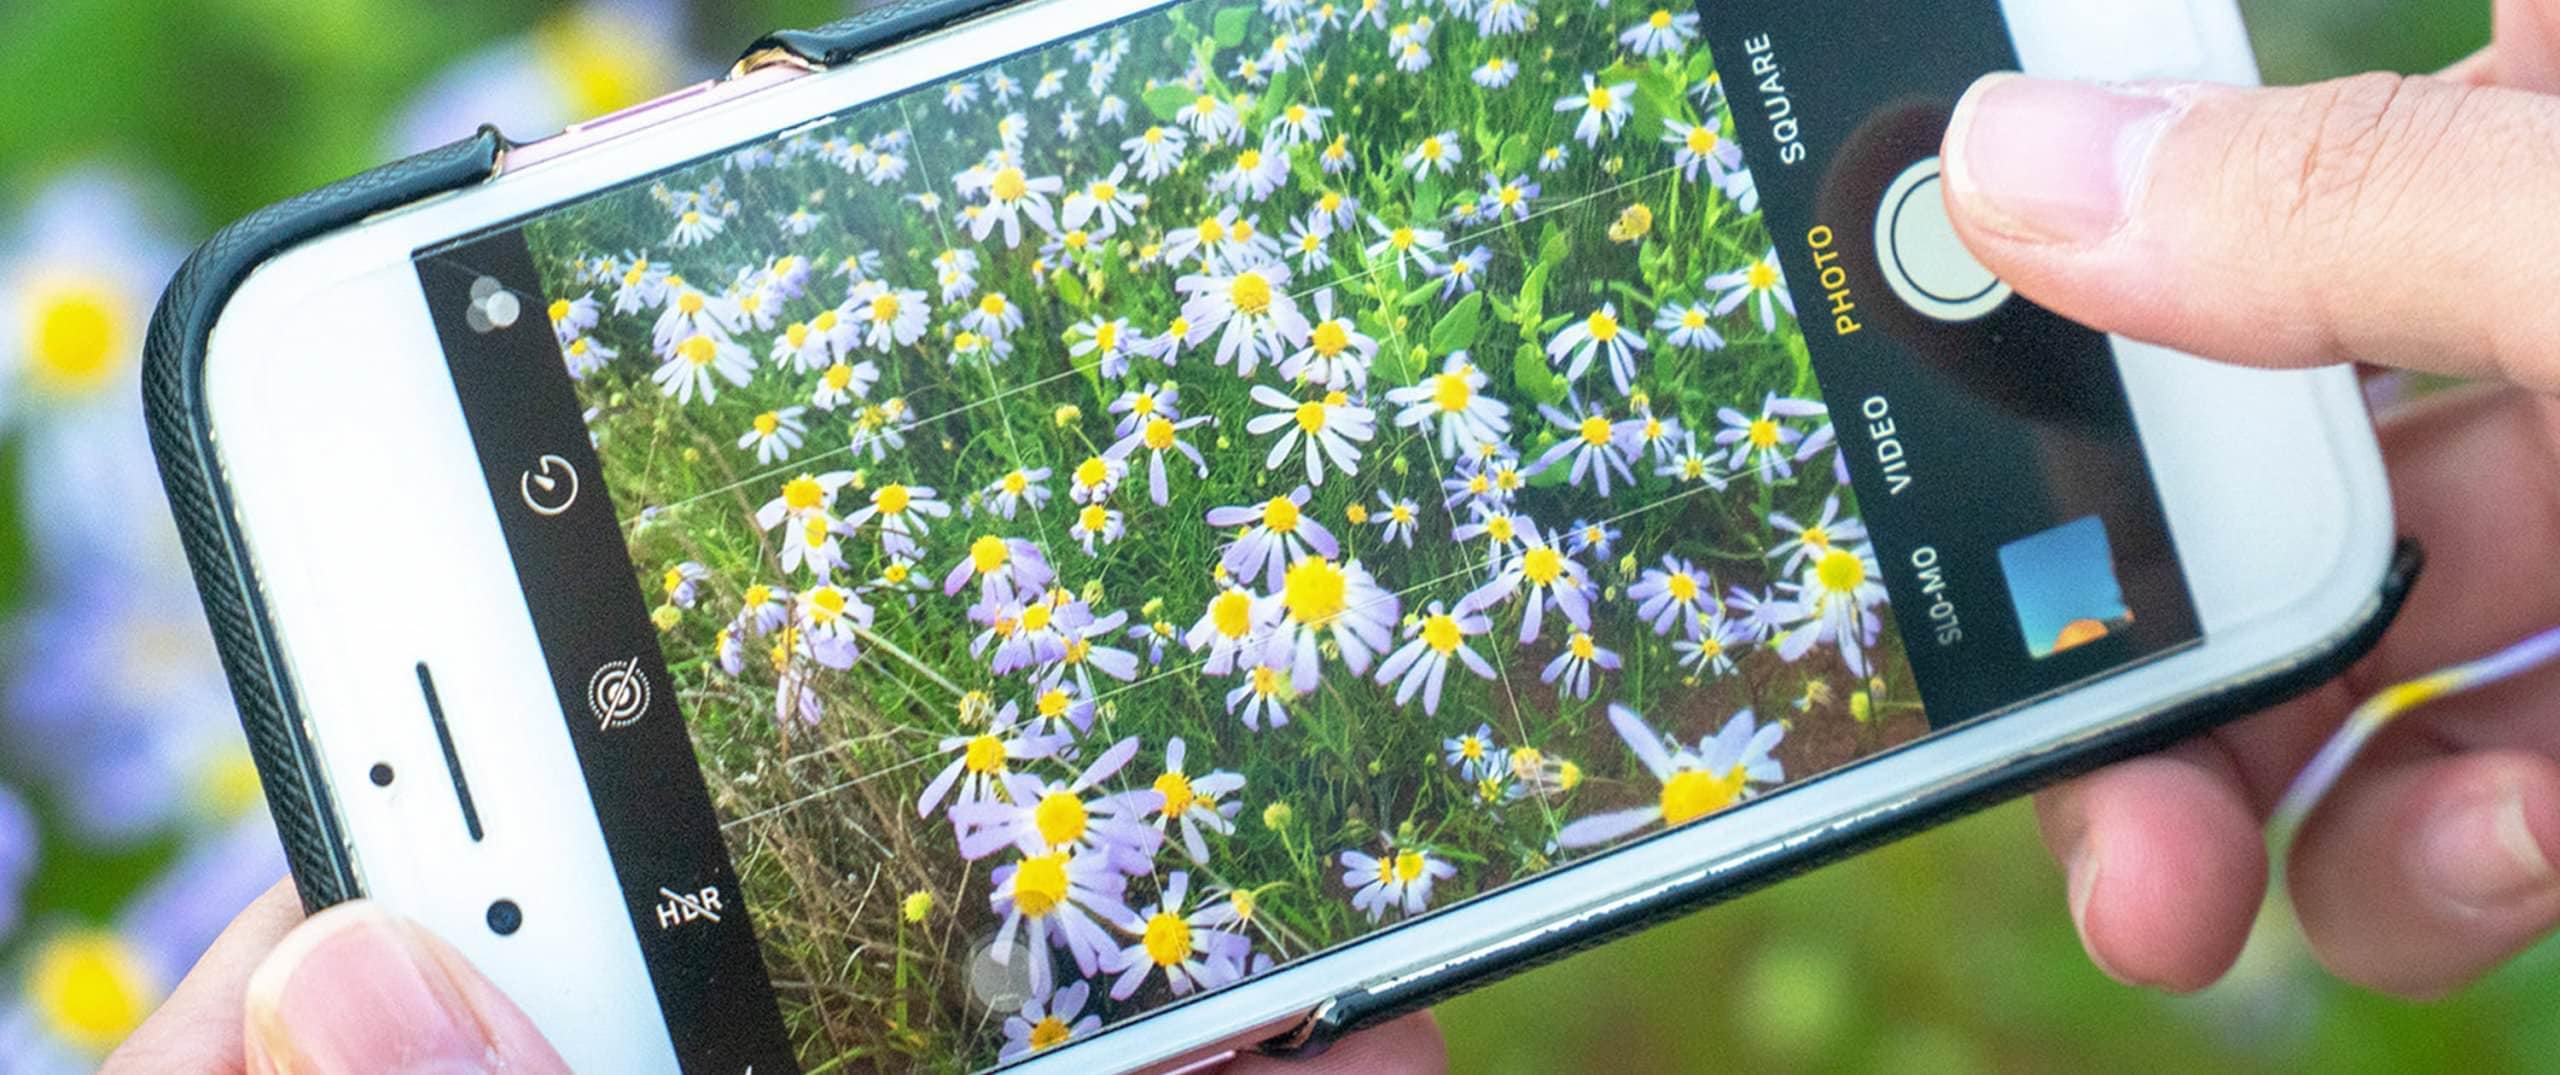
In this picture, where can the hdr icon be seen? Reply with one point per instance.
(682, 907)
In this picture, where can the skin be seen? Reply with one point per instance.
(281, 995)
(2379, 220)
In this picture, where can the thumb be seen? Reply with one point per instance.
(2379, 219)
(356, 990)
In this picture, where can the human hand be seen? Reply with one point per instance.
(357, 991)
(2380, 220)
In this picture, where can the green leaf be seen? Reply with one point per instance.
(1228, 26)
(1529, 371)
(1556, 248)
(1515, 155)
(1532, 307)
(1167, 100)
(1457, 328)
(1071, 287)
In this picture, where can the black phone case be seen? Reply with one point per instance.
(190, 466)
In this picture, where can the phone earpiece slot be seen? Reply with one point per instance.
(452, 761)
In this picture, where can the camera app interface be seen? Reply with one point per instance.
(1078, 534)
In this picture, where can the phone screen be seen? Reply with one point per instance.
(1095, 528)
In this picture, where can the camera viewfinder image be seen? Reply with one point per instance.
(2064, 584)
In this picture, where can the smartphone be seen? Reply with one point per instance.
(1101, 534)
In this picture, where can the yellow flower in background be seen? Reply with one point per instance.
(580, 63)
(90, 988)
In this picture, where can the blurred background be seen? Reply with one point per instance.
(130, 823)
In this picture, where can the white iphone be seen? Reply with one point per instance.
(1104, 533)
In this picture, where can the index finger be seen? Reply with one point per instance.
(198, 1028)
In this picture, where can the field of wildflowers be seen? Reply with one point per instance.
(1201, 493)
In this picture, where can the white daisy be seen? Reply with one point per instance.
(1455, 398)
(1726, 768)
(1337, 353)
(1762, 280)
(1600, 334)
(693, 363)
(1604, 108)
(1434, 641)
(1332, 427)
(775, 434)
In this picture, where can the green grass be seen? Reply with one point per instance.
(829, 841)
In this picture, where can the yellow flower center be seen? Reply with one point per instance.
(1693, 319)
(1159, 433)
(1691, 794)
(1315, 591)
(1432, 150)
(892, 499)
(1040, 883)
(1311, 416)
(758, 594)
(1542, 565)
(1176, 789)
(698, 349)
(1092, 518)
(1401, 238)
(1840, 571)
(885, 308)
(1763, 276)
(1060, 818)
(690, 303)
(989, 553)
(1702, 140)
(1601, 100)
(692, 217)
(1409, 866)
(1168, 940)
(1583, 647)
(1205, 105)
(1763, 433)
(1602, 325)
(1248, 160)
(1252, 294)
(826, 321)
(826, 604)
(1232, 613)
(1036, 618)
(1442, 634)
(984, 755)
(1049, 1031)
(1452, 392)
(803, 493)
(1009, 185)
(1500, 529)
(1595, 431)
(894, 574)
(1092, 472)
(1661, 20)
(1330, 339)
(1106, 336)
(768, 423)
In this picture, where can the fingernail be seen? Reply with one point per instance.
(2483, 857)
(357, 990)
(2080, 878)
(2048, 161)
